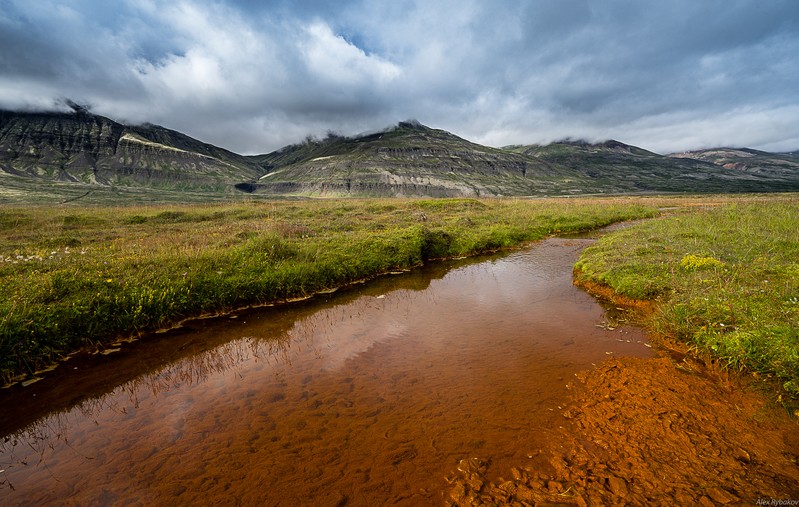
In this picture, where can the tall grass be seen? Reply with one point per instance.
(727, 279)
(73, 277)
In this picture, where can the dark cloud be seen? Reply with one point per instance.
(253, 76)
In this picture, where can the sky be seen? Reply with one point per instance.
(254, 76)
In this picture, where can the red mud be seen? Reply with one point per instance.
(652, 431)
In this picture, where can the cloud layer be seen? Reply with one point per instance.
(255, 76)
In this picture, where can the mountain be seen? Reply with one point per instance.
(407, 160)
(84, 148)
(615, 167)
(412, 159)
(60, 157)
(777, 170)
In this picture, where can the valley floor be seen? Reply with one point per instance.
(681, 428)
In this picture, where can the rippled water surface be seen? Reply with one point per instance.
(370, 396)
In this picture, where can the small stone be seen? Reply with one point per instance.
(471, 465)
(507, 487)
(458, 491)
(475, 483)
(617, 486)
(721, 496)
(683, 497)
(525, 494)
(706, 502)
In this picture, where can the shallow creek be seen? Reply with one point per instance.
(369, 396)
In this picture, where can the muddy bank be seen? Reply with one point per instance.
(651, 431)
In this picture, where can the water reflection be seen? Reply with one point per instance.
(85, 378)
(365, 396)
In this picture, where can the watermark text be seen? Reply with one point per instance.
(777, 501)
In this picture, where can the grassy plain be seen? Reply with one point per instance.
(726, 279)
(74, 276)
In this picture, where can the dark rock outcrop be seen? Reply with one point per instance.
(86, 148)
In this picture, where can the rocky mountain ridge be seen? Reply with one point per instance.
(85, 148)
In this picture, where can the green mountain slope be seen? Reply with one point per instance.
(412, 159)
(617, 167)
(777, 170)
(407, 160)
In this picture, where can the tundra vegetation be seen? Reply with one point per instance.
(723, 270)
(726, 279)
(75, 277)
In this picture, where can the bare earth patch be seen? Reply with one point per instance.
(652, 432)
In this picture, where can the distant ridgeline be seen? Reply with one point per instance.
(410, 159)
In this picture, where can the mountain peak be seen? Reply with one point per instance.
(411, 125)
(78, 108)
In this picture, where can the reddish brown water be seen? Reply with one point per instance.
(369, 397)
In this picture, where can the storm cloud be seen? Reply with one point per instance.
(255, 76)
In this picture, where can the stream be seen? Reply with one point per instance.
(368, 396)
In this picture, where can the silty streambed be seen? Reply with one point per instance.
(370, 396)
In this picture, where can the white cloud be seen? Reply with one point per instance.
(219, 58)
(333, 60)
(254, 76)
(773, 129)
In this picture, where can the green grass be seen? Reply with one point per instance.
(726, 278)
(74, 276)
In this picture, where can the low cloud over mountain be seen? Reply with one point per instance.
(254, 76)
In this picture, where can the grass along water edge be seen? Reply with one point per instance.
(74, 277)
(725, 279)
